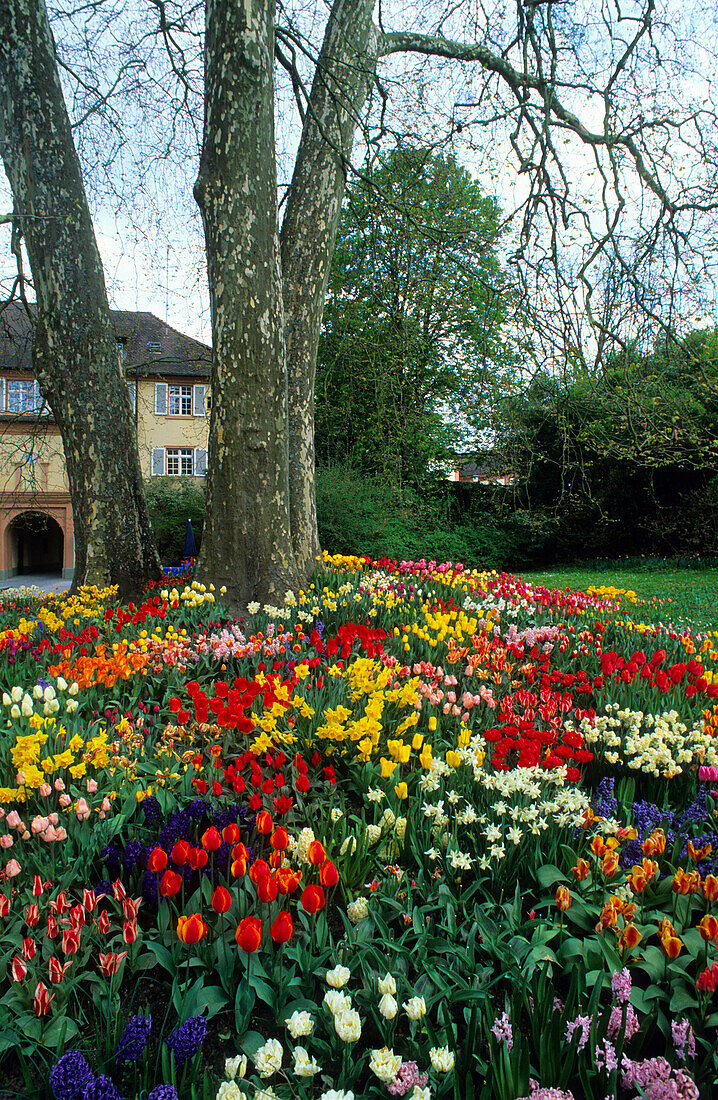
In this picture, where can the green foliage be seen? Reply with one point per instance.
(359, 514)
(629, 455)
(413, 343)
(171, 502)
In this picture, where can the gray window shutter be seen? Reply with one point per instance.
(161, 398)
(198, 402)
(2, 395)
(158, 461)
(132, 390)
(200, 462)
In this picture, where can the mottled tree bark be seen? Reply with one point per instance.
(75, 351)
(346, 65)
(246, 540)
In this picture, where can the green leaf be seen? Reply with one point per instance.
(549, 875)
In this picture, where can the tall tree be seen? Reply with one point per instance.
(416, 327)
(75, 350)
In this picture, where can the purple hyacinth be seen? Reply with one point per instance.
(134, 1039)
(70, 1075)
(102, 1088)
(186, 1040)
(163, 1092)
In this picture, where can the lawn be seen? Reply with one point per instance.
(687, 595)
(419, 831)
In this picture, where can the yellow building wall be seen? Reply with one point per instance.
(155, 430)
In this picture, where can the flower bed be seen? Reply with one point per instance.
(420, 831)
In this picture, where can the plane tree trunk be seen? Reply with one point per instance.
(75, 351)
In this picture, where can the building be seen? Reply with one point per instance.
(167, 377)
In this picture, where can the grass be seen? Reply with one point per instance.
(686, 595)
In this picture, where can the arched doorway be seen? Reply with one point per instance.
(36, 544)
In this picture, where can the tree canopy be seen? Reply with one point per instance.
(416, 337)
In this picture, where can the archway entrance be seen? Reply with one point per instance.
(36, 544)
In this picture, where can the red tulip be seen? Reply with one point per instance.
(110, 963)
(157, 860)
(267, 889)
(240, 851)
(279, 839)
(211, 839)
(191, 929)
(283, 927)
(18, 969)
(129, 930)
(59, 905)
(221, 900)
(328, 874)
(131, 907)
(170, 884)
(28, 948)
(264, 823)
(238, 868)
(32, 915)
(4, 905)
(42, 999)
(118, 890)
(260, 869)
(230, 833)
(89, 901)
(53, 928)
(77, 917)
(316, 854)
(58, 971)
(198, 858)
(249, 934)
(103, 924)
(37, 887)
(313, 899)
(70, 941)
(180, 852)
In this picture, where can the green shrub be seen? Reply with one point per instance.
(171, 502)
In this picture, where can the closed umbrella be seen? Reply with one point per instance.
(190, 546)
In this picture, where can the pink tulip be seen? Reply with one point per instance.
(60, 834)
(53, 819)
(14, 820)
(91, 786)
(82, 810)
(6, 841)
(39, 824)
(59, 785)
(49, 835)
(64, 801)
(12, 868)
(44, 789)
(105, 805)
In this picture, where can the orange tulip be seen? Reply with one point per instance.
(629, 938)
(157, 860)
(708, 928)
(230, 833)
(316, 853)
(710, 888)
(191, 929)
(563, 899)
(328, 874)
(671, 946)
(211, 839)
(260, 869)
(581, 870)
(264, 823)
(609, 865)
(170, 884)
(287, 880)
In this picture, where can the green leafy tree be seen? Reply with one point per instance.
(415, 329)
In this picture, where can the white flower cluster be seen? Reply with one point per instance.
(22, 703)
(661, 745)
(515, 805)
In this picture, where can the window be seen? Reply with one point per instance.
(180, 400)
(179, 462)
(23, 396)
